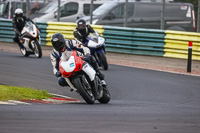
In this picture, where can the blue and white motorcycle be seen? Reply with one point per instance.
(97, 49)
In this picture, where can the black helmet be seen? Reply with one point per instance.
(81, 24)
(58, 41)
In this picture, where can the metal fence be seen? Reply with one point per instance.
(122, 40)
(7, 33)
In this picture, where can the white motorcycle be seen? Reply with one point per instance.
(31, 41)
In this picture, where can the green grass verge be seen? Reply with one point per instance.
(19, 93)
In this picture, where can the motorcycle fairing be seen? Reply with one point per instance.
(89, 71)
(69, 65)
(32, 30)
(29, 33)
(26, 43)
(73, 64)
(92, 44)
(101, 40)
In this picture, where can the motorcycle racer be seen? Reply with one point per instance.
(18, 23)
(82, 31)
(60, 46)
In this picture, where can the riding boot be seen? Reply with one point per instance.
(62, 82)
(16, 39)
(92, 61)
(20, 45)
(103, 82)
(101, 75)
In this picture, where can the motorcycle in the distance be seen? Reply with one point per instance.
(97, 49)
(31, 41)
(82, 78)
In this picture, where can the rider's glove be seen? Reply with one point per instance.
(58, 74)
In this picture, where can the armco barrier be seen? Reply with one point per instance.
(177, 44)
(66, 29)
(134, 40)
(122, 40)
(7, 33)
(151, 42)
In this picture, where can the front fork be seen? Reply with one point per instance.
(70, 84)
(102, 50)
(35, 39)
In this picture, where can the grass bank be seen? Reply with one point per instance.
(19, 93)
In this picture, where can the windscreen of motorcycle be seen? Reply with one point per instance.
(30, 28)
(66, 55)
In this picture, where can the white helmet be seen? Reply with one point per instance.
(18, 12)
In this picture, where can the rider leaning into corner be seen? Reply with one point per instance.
(18, 22)
(62, 46)
(82, 31)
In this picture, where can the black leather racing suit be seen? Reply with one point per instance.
(18, 25)
(81, 35)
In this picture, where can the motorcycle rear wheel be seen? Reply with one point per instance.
(84, 91)
(106, 96)
(37, 49)
(103, 61)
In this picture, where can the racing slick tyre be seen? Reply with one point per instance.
(106, 96)
(103, 61)
(37, 49)
(84, 89)
(24, 52)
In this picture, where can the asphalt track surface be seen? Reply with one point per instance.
(143, 101)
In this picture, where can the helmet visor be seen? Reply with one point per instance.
(19, 15)
(81, 26)
(59, 45)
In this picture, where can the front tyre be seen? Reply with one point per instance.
(84, 89)
(106, 96)
(103, 61)
(37, 49)
(24, 52)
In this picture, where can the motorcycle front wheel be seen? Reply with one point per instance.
(24, 52)
(37, 49)
(84, 89)
(103, 61)
(106, 96)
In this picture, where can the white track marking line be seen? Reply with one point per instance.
(61, 96)
(8, 103)
(18, 102)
